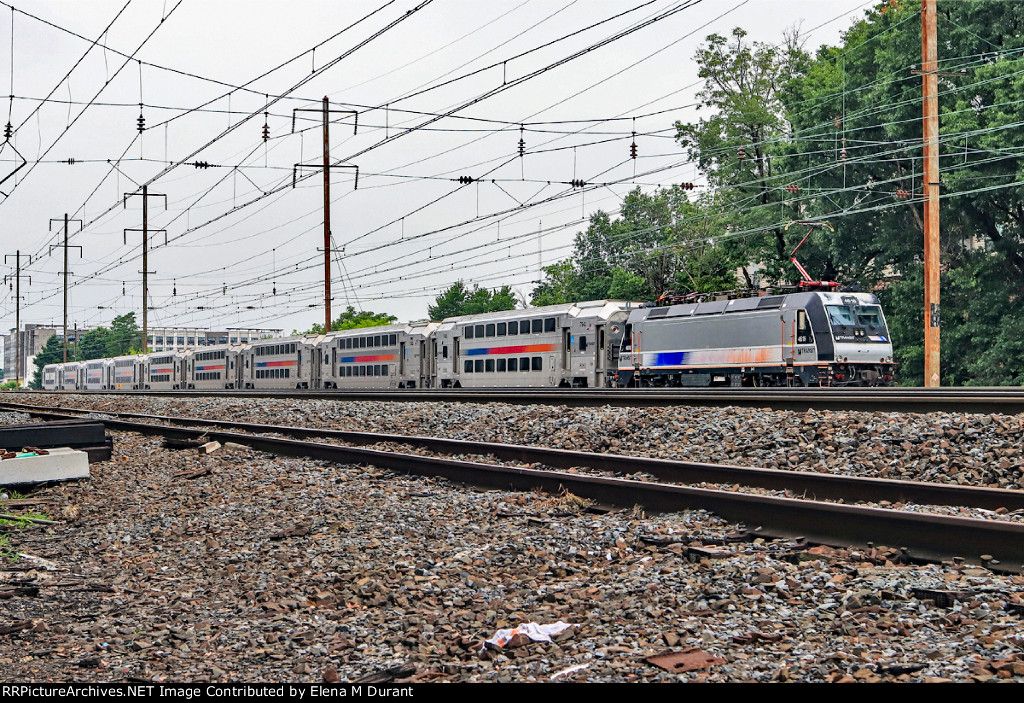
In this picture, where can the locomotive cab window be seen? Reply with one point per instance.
(803, 328)
(583, 343)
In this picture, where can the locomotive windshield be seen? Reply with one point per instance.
(864, 322)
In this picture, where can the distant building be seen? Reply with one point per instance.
(178, 338)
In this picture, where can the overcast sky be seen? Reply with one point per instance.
(238, 231)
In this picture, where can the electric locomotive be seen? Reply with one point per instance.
(800, 339)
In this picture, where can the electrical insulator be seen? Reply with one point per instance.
(741, 154)
(141, 121)
(201, 164)
(274, 289)
(465, 180)
(792, 189)
(225, 292)
(687, 186)
(632, 147)
(902, 193)
(8, 131)
(838, 123)
(577, 183)
(70, 162)
(522, 143)
(266, 128)
(842, 154)
(174, 291)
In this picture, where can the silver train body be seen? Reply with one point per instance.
(798, 339)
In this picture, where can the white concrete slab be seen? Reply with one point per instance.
(61, 464)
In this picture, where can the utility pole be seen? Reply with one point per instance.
(930, 81)
(66, 222)
(325, 111)
(146, 195)
(17, 313)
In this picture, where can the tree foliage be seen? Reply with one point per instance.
(354, 319)
(458, 299)
(661, 241)
(51, 353)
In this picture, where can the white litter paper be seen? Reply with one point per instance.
(535, 631)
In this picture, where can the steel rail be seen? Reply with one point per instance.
(807, 484)
(969, 400)
(925, 536)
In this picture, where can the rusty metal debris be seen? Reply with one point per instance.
(687, 660)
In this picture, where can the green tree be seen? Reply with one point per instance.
(51, 353)
(354, 319)
(661, 242)
(458, 299)
(736, 146)
(93, 344)
(124, 336)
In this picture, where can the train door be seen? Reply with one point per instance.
(566, 349)
(600, 355)
(316, 368)
(401, 360)
(428, 363)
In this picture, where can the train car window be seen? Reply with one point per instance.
(538, 363)
(394, 340)
(362, 342)
(513, 364)
(490, 330)
(536, 326)
(362, 370)
(348, 372)
(348, 343)
(549, 324)
(803, 328)
(469, 332)
(478, 366)
(524, 363)
(376, 341)
(501, 329)
(468, 366)
(513, 328)
(478, 331)
(583, 343)
(489, 366)
(444, 351)
(501, 365)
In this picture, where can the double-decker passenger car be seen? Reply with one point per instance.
(163, 371)
(392, 356)
(211, 368)
(98, 375)
(277, 363)
(572, 345)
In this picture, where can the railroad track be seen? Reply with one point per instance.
(922, 400)
(923, 536)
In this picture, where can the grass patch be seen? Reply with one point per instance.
(7, 552)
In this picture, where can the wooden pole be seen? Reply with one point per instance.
(929, 67)
(327, 220)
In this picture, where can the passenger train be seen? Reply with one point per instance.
(756, 339)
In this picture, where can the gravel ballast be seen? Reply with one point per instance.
(269, 569)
